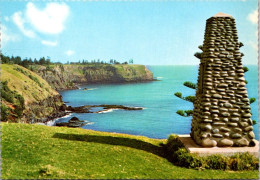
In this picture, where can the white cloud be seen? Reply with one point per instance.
(49, 20)
(6, 18)
(253, 17)
(69, 52)
(49, 43)
(6, 36)
(19, 21)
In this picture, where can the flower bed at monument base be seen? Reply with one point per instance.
(178, 155)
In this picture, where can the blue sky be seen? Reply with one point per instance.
(151, 33)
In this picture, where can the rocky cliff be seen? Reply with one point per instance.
(68, 76)
(26, 97)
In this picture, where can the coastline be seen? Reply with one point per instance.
(86, 109)
(80, 85)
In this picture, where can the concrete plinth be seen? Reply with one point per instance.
(192, 147)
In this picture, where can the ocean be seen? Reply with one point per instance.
(159, 118)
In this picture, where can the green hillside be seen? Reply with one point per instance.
(26, 94)
(36, 151)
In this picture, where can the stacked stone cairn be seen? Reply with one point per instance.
(221, 115)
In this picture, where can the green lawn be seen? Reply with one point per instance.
(36, 151)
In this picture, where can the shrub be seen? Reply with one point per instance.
(185, 159)
(61, 67)
(18, 111)
(173, 144)
(190, 84)
(178, 94)
(190, 98)
(6, 93)
(20, 100)
(178, 155)
(188, 112)
(216, 162)
(185, 113)
(243, 161)
(35, 79)
(8, 96)
(180, 112)
(245, 69)
(251, 100)
(200, 47)
(21, 70)
(197, 55)
(13, 97)
(254, 122)
(4, 113)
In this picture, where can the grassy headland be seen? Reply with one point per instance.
(32, 87)
(66, 76)
(35, 151)
(25, 95)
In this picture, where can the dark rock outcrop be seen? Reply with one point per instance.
(73, 122)
(45, 110)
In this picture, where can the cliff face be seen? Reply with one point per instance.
(26, 97)
(67, 76)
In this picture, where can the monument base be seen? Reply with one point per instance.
(192, 147)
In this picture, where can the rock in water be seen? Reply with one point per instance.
(73, 122)
(74, 119)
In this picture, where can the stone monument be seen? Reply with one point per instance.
(221, 115)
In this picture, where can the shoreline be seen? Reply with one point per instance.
(86, 109)
(79, 85)
(61, 114)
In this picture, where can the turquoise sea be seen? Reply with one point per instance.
(159, 118)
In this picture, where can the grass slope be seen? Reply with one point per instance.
(35, 151)
(27, 83)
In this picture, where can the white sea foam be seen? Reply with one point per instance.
(92, 89)
(107, 111)
(89, 123)
(68, 115)
(159, 77)
(53, 122)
